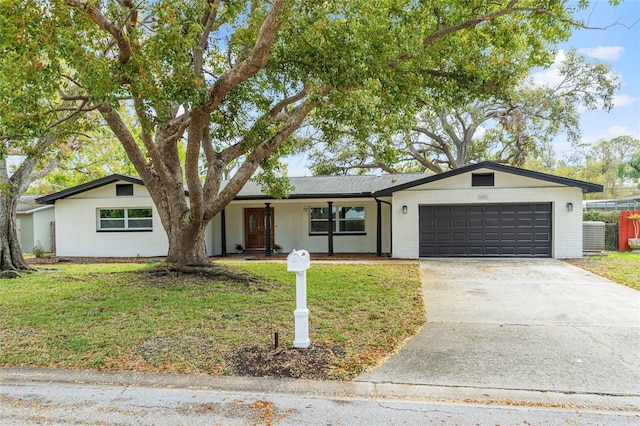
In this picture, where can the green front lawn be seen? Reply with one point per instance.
(623, 268)
(122, 317)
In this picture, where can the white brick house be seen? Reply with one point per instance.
(480, 210)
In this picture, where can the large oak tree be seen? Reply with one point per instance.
(37, 127)
(232, 81)
(509, 127)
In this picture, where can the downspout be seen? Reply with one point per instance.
(379, 221)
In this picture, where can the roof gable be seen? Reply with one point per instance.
(51, 198)
(344, 186)
(585, 186)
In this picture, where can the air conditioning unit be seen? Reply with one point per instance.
(593, 237)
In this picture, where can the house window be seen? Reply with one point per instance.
(131, 219)
(347, 220)
(125, 189)
(482, 179)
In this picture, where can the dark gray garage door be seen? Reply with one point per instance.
(506, 230)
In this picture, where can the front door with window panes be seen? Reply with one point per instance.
(255, 227)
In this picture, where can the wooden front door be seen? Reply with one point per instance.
(255, 228)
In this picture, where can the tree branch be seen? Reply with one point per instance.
(208, 19)
(253, 160)
(93, 13)
(509, 9)
(248, 67)
(427, 163)
(76, 112)
(23, 176)
(276, 114)
(129, 144)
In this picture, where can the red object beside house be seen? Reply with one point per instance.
(625, 229)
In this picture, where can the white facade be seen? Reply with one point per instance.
(76, 224)
(291, 221)
(78, 234)
(35, 227)
(509, 188)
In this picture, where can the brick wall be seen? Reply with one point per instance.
(566, 226)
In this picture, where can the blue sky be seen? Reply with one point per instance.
(618, 45)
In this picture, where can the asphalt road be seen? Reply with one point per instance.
(68, 404)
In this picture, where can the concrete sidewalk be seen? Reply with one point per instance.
(524, 325)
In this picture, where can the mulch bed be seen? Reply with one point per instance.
(313, 362)
(243, 256)
(54, 259)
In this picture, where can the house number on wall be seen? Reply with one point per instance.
(483, 196)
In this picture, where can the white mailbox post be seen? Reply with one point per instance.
(298, 262)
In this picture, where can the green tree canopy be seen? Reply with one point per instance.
(233, 81)
(607, 162)
(37, 125)
(508, 127)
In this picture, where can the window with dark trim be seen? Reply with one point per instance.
(482, 179)
(347, 220)
(124, 189)
(126, 219)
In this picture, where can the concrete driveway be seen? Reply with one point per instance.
(537, 324)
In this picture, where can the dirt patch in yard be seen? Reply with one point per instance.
(313, 362)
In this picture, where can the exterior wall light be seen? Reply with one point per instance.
(569, 207)
(404, 209)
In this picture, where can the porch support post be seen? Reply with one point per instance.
(390, 229)
(330, 230)
(223, 232)
(379, 228)
(268, 229)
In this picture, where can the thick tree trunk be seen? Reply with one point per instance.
(11, 258)
(11, 189)
(187, 244)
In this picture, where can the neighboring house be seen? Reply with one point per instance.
(35, 224)
(632, 202)
(485, 209)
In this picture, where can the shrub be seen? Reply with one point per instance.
(38, 250)
(601, 216)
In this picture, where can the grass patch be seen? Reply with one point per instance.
(623, 268)
(122, 317)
